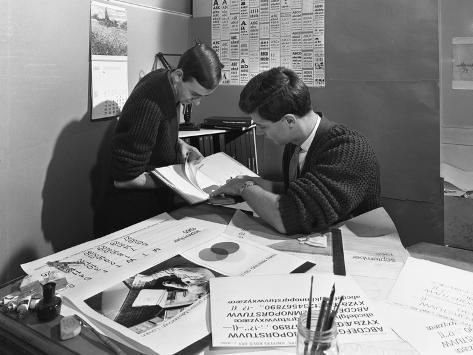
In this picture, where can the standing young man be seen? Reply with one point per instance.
(330, 172)
(146, 137)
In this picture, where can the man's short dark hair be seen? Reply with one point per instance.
(201, 62)
(275, 93)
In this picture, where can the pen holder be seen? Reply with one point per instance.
(312, 342)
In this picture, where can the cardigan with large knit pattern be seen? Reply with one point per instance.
(147, 132)
(340, 179)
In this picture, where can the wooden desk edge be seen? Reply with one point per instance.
(19, 335)
(455, 257)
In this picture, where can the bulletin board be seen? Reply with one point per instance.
(251, 36)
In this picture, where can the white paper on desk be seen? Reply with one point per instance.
(261, 311)
(208, 254)
(435, 288)
(427, 333)
(255, 229)
(121, 248)
(378, 257)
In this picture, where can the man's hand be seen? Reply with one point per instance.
(232, 186)
(189, 153)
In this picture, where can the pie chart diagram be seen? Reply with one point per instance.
(219, 251)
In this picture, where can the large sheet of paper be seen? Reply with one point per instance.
(149, 302)
(437, 289)
(117, 250)
(382, 256)
(427, 333)
(261, 311)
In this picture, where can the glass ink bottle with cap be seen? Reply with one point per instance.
(49, 306)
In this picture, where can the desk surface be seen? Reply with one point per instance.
(33, 337)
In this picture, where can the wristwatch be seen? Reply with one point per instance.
(247, 184)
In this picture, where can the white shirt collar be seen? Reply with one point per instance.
(306, 144)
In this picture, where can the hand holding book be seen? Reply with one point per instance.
(196, 182)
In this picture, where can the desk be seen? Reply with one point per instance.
(31, 337)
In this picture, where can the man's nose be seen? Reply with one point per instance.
(196, 101)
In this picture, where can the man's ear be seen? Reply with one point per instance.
(178, 74)
(290, 119)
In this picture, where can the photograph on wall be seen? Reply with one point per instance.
(462, 77)
(158, 294)
(109, 59)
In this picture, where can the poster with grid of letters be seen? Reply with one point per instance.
(251, 36)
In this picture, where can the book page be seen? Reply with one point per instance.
(216, 169)
(176, 178)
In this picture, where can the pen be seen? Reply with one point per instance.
(329, 308)
(334, 313)
(102, 337)
(309, 316)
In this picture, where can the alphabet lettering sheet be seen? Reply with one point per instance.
(255, 312)
(251, 36)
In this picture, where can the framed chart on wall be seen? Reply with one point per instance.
(256, 35)
(109, 59)
(462, 77)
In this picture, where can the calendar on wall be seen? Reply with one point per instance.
(251, 36)
(109, 59)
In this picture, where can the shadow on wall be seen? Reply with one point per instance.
(23, 256)
(75, 182)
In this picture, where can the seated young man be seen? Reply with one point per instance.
(330, 172)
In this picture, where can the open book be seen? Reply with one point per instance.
(194, 182)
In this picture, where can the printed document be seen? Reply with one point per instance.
(427, 333)
(434, 288)
(118, 250)
(262, 311)
(159, 304)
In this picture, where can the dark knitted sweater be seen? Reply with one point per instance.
(147, 131)
(339, 179)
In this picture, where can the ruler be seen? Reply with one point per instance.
(338, 257)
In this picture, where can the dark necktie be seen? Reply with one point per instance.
(294, 165)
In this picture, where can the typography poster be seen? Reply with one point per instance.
(251, 36)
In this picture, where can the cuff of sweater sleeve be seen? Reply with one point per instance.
(289, 215)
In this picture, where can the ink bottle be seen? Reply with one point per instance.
(312, 342)
(49, 307)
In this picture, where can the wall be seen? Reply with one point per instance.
(456, 20)
(382, 79)
(52, 158)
